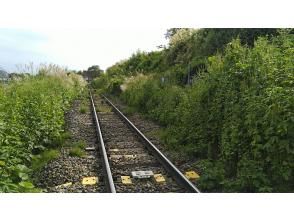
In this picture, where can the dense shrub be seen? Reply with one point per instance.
(106, 83)
(237, 117)
(186, 54)
(241, 114)
(31, 120)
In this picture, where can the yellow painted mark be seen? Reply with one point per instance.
(90, 180)
(114, 150)
(126, 180)
(192, 175)
(159, 178)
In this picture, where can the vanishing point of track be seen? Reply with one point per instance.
(131, 163)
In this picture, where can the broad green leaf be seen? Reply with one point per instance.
(27, 185)
(23, 176)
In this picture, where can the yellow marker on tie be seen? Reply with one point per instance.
(126, 180)
(90, 180)
(192, 175)
(159, 178)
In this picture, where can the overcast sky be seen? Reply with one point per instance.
(76, 49)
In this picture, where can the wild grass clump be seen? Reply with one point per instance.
(76, 152)
(79, 144)
(42, 159)
(83, 109)
(78, 149)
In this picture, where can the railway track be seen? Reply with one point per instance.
(131, 163)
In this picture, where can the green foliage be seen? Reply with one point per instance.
(61, 140)
(140, 62)
(212, 178)
(241, 114)
(40, 160)
(32, 121)
(106, 83)
(237, 117)
(76, 152)
(187, 54)
(79, 144)
(83, 109)
(92, 72)
(77, 149)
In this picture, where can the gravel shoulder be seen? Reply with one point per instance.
(65, 174)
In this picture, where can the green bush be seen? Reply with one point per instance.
(241, 114)
(32, 121)
(237, 117)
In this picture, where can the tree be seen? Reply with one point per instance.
(171, 32)
(93, 72)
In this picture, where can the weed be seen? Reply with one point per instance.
(42, 159)
(61, 140)
(79, 144)
(83, 109)
(76, 152)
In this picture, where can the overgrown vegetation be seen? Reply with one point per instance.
(40, 160)
(76, 152)
(83, 109)
(77, 149)
(32, 124)
(236, 117)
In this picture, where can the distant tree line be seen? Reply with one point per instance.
(91, 73)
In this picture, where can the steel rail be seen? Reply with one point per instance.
(179, 177)
(109, 180)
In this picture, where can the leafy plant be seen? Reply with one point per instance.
(38, 161)
(31, 122)
(236, 118)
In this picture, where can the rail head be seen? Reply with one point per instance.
(179, 177)
(109, 180)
